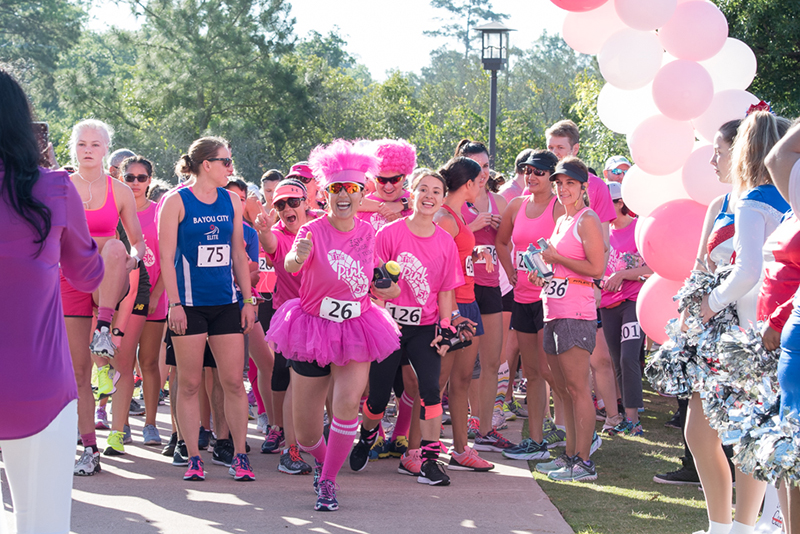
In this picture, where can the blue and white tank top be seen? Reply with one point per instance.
(720, 240)
(203, 256)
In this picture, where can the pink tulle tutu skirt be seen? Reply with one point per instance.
(372, 336)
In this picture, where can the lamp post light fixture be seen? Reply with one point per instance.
(494, 55)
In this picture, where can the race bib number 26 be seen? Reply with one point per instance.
(339, 310)
(263, 266)
(213, 255)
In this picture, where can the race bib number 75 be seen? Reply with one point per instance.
(213, 255)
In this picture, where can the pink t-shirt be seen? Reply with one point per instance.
(600, 199)
(623, 255)
(527, 231)
(377, 220)
(511, 190)
(338, 272)
(428, 266)
(485, 237)
(287, 286)
(569, 295)
(152, 259)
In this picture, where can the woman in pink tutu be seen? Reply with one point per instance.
(333, 332)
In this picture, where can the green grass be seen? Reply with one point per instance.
(624, 498)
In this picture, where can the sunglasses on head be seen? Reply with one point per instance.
(280, 205)
(349, 187)
(142, 178)
(225, 161)
(527, 170)
(390, 179)
(617, 172)
(305, 179)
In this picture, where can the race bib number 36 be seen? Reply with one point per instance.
(213, 255)
(408, 315)
(339, 310)
(555, 288)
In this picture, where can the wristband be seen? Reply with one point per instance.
(455, 314)
(173, 304)
(117, 332)
(444, 323)
(296, 260)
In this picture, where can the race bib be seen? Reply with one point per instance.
(263, 266)
(493, 252)
(630, 331)
(555, 288)
(409, 315)
(518, 261)
(213, 255)
(469, 267)
(339, 311)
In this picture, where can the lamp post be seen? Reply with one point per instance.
(494, 55)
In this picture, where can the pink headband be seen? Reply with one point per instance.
(347, 175)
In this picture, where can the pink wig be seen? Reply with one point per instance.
(395, 155)
(342, 161)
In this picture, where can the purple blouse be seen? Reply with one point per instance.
(36, 376)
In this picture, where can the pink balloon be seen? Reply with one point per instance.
(660, 145)
(670, 241)
(699, 178)
(696, 31)
(630, 59)
(725, 106)
(586, 32)
(645, 16)
(644, 192)
(682, 90)
(579, 5)
(655, 307)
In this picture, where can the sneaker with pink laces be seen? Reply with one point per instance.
(473, 424)
(492, 442)
(410, 463)
(468, 461)
(195, 471)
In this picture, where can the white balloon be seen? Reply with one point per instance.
(621, 111)
(641, 15)
(643, 192)
(586, 32)
(726, 106)
(734, 67)
(630, 58)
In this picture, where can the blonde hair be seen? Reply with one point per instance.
(89, 124)
(756, 136)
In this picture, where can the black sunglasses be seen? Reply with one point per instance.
(389, 179)
(130, 178)
(305, 179)
(225, 161)
(527, 169)
(293, 203)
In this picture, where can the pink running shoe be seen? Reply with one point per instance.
(468, 461)
(195, 471)
(240, 469)
(410, 463)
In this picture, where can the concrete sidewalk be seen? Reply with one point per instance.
(142, 492)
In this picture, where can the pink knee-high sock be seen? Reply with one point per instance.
(318, 451)
(252, 376)
(404, 408)
(340, 441)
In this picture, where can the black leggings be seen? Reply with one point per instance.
(624, 338)
(427, 364)
(280, 373)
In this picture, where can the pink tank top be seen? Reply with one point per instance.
(527, 231)
(485, 236)
(465, 242)
(103, 221)
(569, 295)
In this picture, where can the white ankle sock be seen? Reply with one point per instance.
(741, 528)
(718, 528)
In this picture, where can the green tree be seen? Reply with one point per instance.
(464, 15)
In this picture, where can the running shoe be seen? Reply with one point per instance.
(611, 423)
(127, 436)
(195, 471)
(107, 378)
(101, 418)
(292, 463)
(473, 424)
(326, 501)
(262, 424)
(674, 421)
(203, 438)
(561, 461)
(432, 473)
(101, 344)
(528, 450)
(180, 457)
(576, 471)
(223, 453)
(410, 463)
(446, 420)
(88, 464)
(516, 408)
(600, 414)
(240, 469)
(596, 442)
(553, 436)
(492, 442)
(115, 446)
(317, 474)
(169, 450)
(359, 456)
(682, 477)
(379, 449)
(509, 415)
(275, 441)
(150, 435)
(136, 408)
(499, 419)
(468, 461)
(397, 448)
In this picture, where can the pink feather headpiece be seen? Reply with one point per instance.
(342, 161)
(396, 156)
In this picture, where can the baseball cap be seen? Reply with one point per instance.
(572, 170)
(543, 160)
(615, 161)
(615, 188)
(301, 170)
